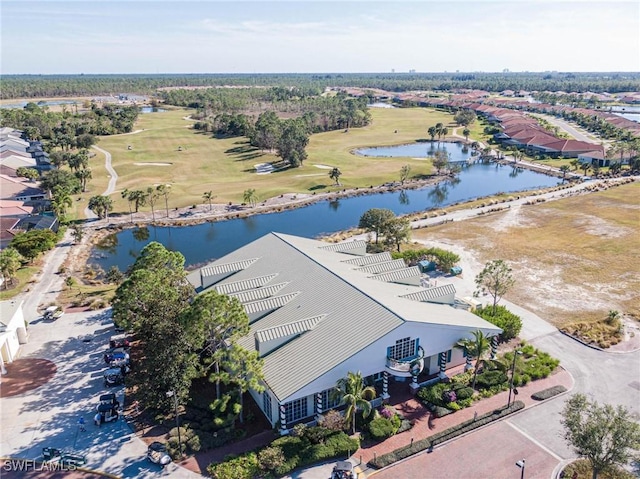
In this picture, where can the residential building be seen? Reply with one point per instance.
(13, 331)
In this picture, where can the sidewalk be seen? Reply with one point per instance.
(420, 415)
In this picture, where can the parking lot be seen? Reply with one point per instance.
(48, 415)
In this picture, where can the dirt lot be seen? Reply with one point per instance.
(574, 259)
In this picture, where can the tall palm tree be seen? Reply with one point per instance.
(564, 169)
(585, 167)
(208, 196)
(164, 191)
(353, 392)
(432, 132)
(334, 174)
(476, 348)
(439, 127)
(466, 132)
(61, 201)
(126, 195)
(250, 197)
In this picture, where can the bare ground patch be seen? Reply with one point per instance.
(574, 259)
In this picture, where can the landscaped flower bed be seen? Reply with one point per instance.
(446, 397)
(438, 438)
(386, 422)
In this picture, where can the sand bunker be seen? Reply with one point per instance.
(153, 164)
(324, 167)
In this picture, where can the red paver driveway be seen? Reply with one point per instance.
(490, 453)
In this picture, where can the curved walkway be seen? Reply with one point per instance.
(111, 187)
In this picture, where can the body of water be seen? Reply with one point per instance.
(22, 104)
(151, 109)
(457, 151)
(205, 242)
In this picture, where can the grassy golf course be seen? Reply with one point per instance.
(169, 151)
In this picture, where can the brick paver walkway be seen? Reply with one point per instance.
(414, 410)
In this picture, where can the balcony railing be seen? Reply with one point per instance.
(404, 365)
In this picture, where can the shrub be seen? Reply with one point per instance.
(489, 379)
(510, 323)
(440, 411)
(449, 396)
(241, 467)
(270, 458)
(433, 394)
(299, 430)
(547, 393)
(461, 379)
(332, 420)
(387, 412)
(381, 428)
(464, 393)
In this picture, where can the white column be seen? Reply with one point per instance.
(468, 365)
(494, 347)
(283, 421)
(443, 365)
(318, 405)
(385, 385)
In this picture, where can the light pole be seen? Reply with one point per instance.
(175, 402)
(513, 373)
(520, 464)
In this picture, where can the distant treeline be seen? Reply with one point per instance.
(34, 86)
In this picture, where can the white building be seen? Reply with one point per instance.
(319, 310)
(13, 331)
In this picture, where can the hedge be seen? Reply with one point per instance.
(442, 436)
(548, 393)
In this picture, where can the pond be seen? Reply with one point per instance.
(457, 151)
(151, 109)
(205, 242)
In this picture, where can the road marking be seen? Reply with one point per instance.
(546, 449)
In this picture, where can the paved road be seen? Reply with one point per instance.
(111, 187)
(573, 130)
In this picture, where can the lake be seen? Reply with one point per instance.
(205, 242)
(457, 151)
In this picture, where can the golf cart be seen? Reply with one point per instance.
(106, 413)
(342, 470)
(119, 341)
(52, 313)
(116, 358)
(157, 453)
(113, 377)
(109, 400)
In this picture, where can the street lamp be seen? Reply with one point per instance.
(513, 373)
(175, 402)
(520, 464)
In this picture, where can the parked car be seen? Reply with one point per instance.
(119, 341)
(157, 453)
(113, 377)
(52, 313)
(109, 400)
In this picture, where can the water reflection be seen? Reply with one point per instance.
(141, 234)
(334, 204)
(403, 198)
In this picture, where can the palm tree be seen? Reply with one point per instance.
(585, 167)
(353, 392)
(439, 127)
(61, 201)
(476, 348)
(164, 191)
(444, 132)
(466, 132)
(334, 174)
(84, 175)
(10, 262)
(126, 194)
(151, 197)
(564, 169)
(250, 197)
(432, 132)
(208, 196)
(575, 163)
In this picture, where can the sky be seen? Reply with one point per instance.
(210, 36)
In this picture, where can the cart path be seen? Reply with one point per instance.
(111, 187)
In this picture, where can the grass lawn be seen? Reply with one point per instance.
(226, 166)
(23, 277)
(574, 259)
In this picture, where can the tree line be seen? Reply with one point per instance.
(34, 86)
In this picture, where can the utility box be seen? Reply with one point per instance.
(456, 270)
(426, 266)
